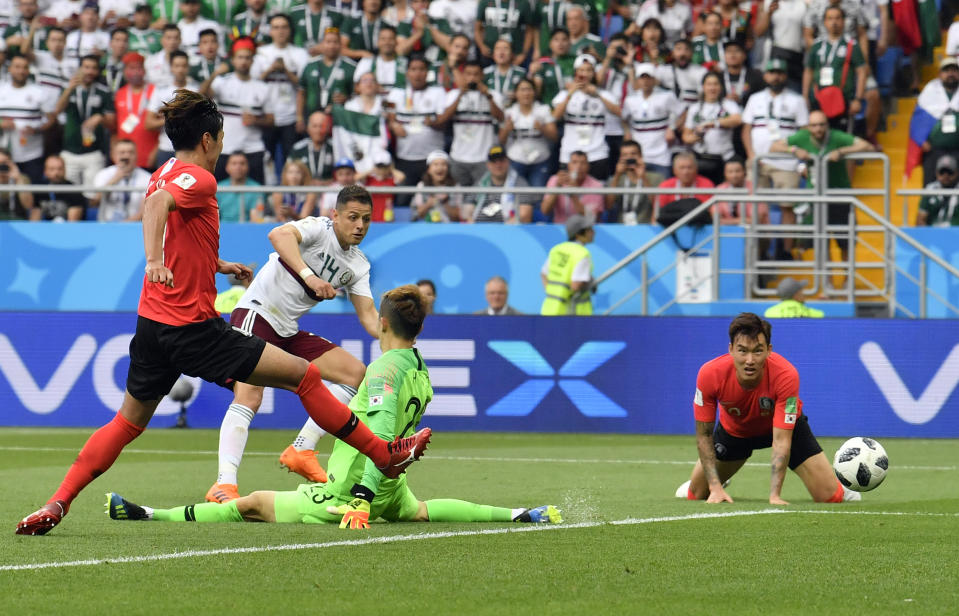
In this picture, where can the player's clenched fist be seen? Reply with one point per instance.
(159, 273)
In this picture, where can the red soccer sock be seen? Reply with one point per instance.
(837, 495)
(337, 419)
(98, 454)
(690, 495)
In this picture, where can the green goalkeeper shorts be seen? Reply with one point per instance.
(308, 503)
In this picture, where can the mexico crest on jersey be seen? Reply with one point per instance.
(345, 278)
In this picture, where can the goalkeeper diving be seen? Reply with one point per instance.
(391, 401)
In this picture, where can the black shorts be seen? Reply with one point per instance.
(732, 448)
(212, 350)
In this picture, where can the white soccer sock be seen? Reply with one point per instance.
(311, 433)
(233, 433)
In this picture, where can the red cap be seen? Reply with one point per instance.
(132, 57)
(244, 42)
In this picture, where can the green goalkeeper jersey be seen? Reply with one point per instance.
(391, 401)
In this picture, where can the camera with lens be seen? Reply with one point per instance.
(4, 168)
(472, 85)
(635, 40)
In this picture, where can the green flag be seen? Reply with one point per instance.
(929, 26)
(356, 122)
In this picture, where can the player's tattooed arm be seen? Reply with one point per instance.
(707, 452)
(782, 444)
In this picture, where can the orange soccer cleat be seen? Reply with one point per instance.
(222, 493)
(303, 463)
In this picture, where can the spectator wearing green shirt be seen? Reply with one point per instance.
(824, 67)
(311, 20)
(325, 81)
(793, 304)
(504, 20)
(939, 210)
(553, 72)
(360, 34)
(818, 140)
(581, 40)
(143, 38)
(551, 14)
(944, 137)
(222, 11)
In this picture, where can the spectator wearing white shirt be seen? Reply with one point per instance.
(388, 68)
(117, 13)
(88, 39)
(709, 128)
(361, 147)
(583, 107)
(473, 108)
(179, 69)
(279, 65)
(25, 112)
(158, 65)
(191, 24)
(651, 114)
(674, 15)
(684, 78)
(125, 205)
(245, 104)
(53, 67)
(529, 132)
(459, 15)
(781, 22)
(65, 12)
(952, 40)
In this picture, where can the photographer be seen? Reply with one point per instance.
(614, 75)
(13, 205)
(121, 206)
(630, 172)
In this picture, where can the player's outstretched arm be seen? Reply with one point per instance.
(707, 457)
(156, 210)
(782, 445)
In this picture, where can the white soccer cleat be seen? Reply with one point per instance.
(683, 490)
(850, 495)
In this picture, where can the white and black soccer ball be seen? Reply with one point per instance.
(861, 464)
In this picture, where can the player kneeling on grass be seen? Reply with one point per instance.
(757, 392)
(391, 400)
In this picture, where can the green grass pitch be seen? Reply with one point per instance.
(627, 545)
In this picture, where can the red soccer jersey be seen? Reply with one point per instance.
(191, 245)
(748, 412)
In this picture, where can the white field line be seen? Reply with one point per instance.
(507, 459)
(427, 536)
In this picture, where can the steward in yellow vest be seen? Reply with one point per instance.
(568, 272)
(793, 305)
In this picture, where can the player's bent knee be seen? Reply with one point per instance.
(250, 396)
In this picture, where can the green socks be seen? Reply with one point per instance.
(203, 512)
(452, 510)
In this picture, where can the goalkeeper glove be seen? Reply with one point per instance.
(356, 513)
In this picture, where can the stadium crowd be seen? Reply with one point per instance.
(558, 93)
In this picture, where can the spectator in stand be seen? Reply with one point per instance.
(453, 17)
(245, 104)
(675, 16)
(279, 65)
(499, 207)
(65, 12)
(52, 67)
(113, 60)
(529, 132)
(359, 35)
(652, 42)
(411, 115)
(387, 67)
(631, 172)
(574, 175)
(735, 212)
(708, 48)
(144, 39)
(239, 206)
(344, 174)
(89, 39)
(952, 40)
(191, 24)
(326, 81)
(30, 27)
(553, 73)
(132, 102)
(158, 65)
(513, 25)
(89, 108)
(581, 40)
(651, 115)
(415, 33)
(503, 75)
(57, 206)
(428, 291)
(179, 68)
(254, 22)
(473, 108)
(615, 75)
(497, 297)
(382, 174)
(116, 13)
(207, 56)
(290, 206)
(441, 207)
(360, 144)
(709, 128)
(446, 73)
(227, 12)
(944, 137)
(24, 116)
(685, 175)
(936, 98)
(166, 12)
(854, 23)
(737, 24)
(549, 15)
(14, 205)
(126, 205)
(770, 115)
(311, 20)
(316, 151)
(740, 81)
(825, 62)
(583, 106)
(938, 210)
(780, 21)
(682, 77)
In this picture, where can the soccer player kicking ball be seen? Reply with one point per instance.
(757, 392)
(314, 257)
(392, 399)
(179, 330)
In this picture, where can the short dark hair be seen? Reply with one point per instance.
(403, 309)
(178, 53)
(388, 27)
(427, 282)
(686, 42)
(92, 57)
(842, 13)
(169, 27)
(53, 29)
(736, 160)
(475, 63)
(117, 31)
(208, 32)
(353, 192)
(633, 143)
(558, 30)
(289, 20)
(188, 116)
(417, 57)
(749, 325)
(579, 153)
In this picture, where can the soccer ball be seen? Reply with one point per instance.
(861, 464)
